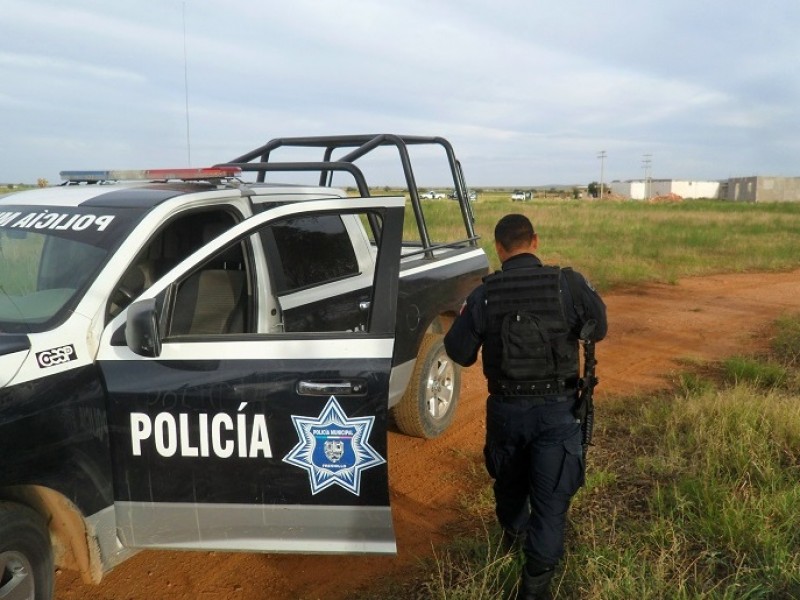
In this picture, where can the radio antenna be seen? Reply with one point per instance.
(186, 88)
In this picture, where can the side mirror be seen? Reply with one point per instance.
(141, 328)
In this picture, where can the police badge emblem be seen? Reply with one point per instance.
(333, 449)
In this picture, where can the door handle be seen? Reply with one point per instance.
(356, 387)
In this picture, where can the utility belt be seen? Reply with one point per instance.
(538, 387)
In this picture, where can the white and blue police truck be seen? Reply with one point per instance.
(202, 359)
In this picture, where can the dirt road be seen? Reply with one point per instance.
(651, 329)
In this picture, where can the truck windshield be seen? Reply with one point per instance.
(48, 258)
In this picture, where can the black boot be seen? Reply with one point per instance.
(535, 586)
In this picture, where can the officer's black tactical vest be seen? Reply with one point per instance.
(527, 336)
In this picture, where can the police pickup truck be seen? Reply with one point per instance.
(200, 359)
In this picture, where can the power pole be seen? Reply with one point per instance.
(602, 156)
(646, 162)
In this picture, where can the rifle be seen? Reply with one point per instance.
(584, 409)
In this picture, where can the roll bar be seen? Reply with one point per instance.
(259, 161)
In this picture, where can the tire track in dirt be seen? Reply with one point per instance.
(651, 330)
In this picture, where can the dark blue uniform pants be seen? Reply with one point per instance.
(533, 451)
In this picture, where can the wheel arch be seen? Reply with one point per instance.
(440, 323)
(74, 545)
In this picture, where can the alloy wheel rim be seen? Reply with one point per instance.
(440, 387)
(16, 577)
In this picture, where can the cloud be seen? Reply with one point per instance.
(526, 91)
(44, 67)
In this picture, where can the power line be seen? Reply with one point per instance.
(646, 162)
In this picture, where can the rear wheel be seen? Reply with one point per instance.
(429, 403)
(26, 557)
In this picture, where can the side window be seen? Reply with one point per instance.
(309, 251)
(316, 271)
(174, 242)
(216, 298)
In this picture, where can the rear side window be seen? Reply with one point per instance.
(309, 251)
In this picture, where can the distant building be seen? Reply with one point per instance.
(744, 189)
(761, 189)
(653, 188)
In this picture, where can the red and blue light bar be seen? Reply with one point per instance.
(189, 174)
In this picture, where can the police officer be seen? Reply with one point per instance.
(528, 318)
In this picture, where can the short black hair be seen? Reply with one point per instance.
(513, 231)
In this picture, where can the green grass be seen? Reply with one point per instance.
(689, 494)
(786, 344)
(628, 243)
(718, 517)
(756, 372)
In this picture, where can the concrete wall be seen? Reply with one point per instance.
(762, 189)
(686, 189)
(627, 189)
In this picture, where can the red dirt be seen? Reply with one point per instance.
(651, 329)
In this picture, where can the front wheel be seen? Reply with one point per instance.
(26, 557)
(429, 403)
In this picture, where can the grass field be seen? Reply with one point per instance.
(626, 243)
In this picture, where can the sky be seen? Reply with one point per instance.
(529, 93)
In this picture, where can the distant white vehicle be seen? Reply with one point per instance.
(433, 195)
(520, 196)
(471, 194)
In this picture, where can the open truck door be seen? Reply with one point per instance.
(228, 435)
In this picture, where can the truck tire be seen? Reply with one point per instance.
(26, 556)
(429, 404)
